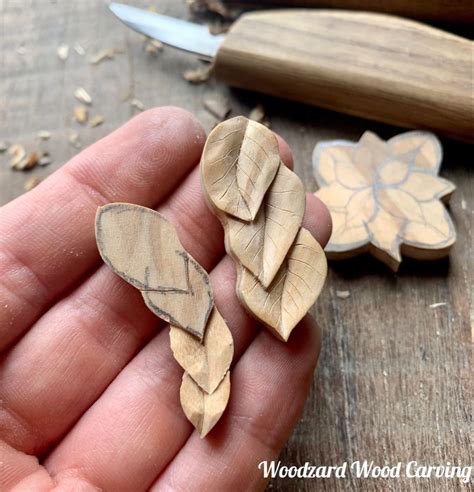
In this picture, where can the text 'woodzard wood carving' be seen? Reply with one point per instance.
(281, 268)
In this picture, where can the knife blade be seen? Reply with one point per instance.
(377, 66)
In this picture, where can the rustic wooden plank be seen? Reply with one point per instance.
(393, 380)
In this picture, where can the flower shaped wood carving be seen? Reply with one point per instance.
(385, 197)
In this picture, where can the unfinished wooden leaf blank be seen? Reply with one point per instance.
(261, 246)
(281, 268)
(240, 160)
(201, 409)
(143, 248)
(384, 197)
(207, 362)
(293, 291)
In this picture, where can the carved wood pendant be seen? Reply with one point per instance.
(281, 268)
(143, 248)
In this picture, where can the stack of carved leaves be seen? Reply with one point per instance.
(143, 248)
(281, 267)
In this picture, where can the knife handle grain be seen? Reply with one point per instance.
(376, 66)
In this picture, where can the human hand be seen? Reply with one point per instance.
(88, 383)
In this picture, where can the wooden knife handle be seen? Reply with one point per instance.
(372, 65)
(435, 10)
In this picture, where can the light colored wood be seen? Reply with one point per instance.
(460, 11)
(201, 409)
(371, 65)
(280, 267)
(261, 245)
(143, 248)
(294, 290)
(403, 387)
(384, 197)
(207, 362)
(235, 153)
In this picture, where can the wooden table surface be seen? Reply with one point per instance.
(393, 381)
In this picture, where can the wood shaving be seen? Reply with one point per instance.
(45, 159)
(218, 107)
(258, 114)
(96, 121)
(438, 304)
(153, 46)
(104, 54)
(197, 75)
(63, 51)
(43, 135)
(31, 183)
(81, 114)
(83, 96)
(17, 153)
(28, 162)
(343, 294)
(152, 8)
(3, 147)
(78, 48)
(136, 103)
(74, 140)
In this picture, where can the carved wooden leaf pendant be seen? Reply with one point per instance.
(240, 160)
(384, 197)
(261, 245)
(143, 248)
(206, 362)
(201, 409)
(293, 291)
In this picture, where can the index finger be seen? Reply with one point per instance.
(47, 240)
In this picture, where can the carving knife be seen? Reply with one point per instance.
(376, 66)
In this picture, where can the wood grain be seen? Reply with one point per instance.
(385, 197)
(394, 379)
(372, 65)
(436, 10)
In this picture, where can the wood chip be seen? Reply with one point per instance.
(17, 153)
(45, 159)
(343, 294)
(153, 46)
(78, 48)
(83, 96)
(198, 75)
(438, 304)
(3, 147)
(63, 51)
(74, 140)
(28, 162)
(31, 183)
(96, 121)
(136, 103)
(101, 55)
(218, 107)
(81, 114)
(43, 135)
(21, 50)
(258, 114)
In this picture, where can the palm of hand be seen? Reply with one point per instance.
(88, 386)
